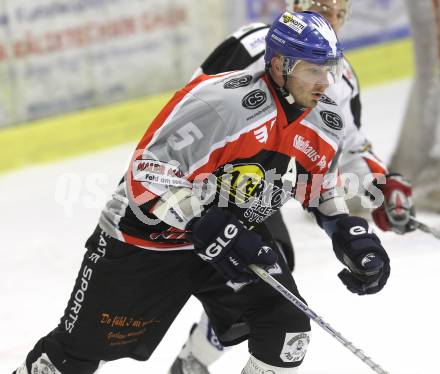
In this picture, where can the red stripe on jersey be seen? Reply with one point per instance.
(151, 244)
(245, 146)
(375, 167)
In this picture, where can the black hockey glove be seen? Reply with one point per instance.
(358, 248)
(224, 242)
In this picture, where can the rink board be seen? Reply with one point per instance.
(102, 127)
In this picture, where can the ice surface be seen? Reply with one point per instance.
(41, 247)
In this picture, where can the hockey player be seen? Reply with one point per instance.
(245, 50)
(186, 218)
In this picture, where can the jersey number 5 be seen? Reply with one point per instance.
(185, 136)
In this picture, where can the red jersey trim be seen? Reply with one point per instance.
(375, 167)
(155, 246)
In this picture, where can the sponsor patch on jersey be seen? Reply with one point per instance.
(238, 82)
(295, 346)
(293, 22)
(303, 145)
(332, 120)
(158, 172)
(241, 182)
(326, 100)
(254, 99)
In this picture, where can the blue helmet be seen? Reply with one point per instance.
(302, 36)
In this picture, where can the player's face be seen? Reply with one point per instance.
(307, 83)
(334, 11)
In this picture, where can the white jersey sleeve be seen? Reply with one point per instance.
(357, 156)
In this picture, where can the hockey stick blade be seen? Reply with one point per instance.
(271, 281)
(425, 228)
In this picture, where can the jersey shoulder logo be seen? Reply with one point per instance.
(262, 134)
(238, 82)
(254, 99)
(326, 100)
(332, 120)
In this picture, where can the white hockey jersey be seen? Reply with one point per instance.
(233, 130)
(244, 49)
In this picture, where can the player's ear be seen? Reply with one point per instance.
(277, 65)
(297, 8)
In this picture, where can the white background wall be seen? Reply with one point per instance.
(62, 55)
(58, 56)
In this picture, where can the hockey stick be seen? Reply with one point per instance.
(425, 228)
(266, 277)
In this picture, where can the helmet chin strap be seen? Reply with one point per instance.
(286, 94)
(284, 91)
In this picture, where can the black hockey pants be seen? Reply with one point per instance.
(125, 299)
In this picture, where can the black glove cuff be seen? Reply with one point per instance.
(354, 239)
(354, 228)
